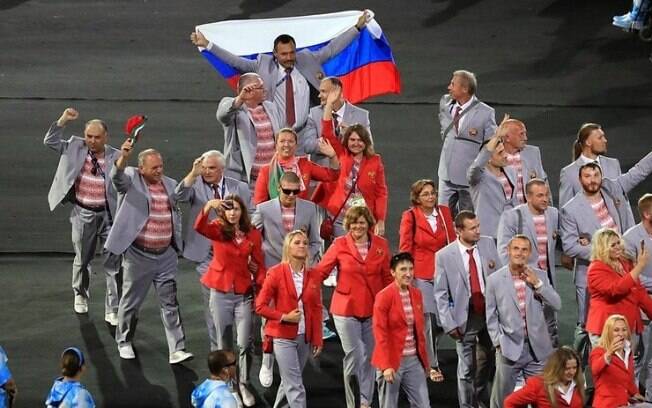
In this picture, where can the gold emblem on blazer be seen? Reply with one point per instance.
(473, 132)
(379, 251)
(491, 264)
(372, 175)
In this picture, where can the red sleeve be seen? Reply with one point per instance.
(596, 360)
(321, 173)
(405, 235)
(261, 192)
(380, 192)
(526, 395)
(327, 263)
(258, 257)
(328, 133)
(601, 281)
(380, 327)
(266, 295)
(211, 230)
(644, 301)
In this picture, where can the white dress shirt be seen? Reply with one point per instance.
(465, 262)
(301, 89)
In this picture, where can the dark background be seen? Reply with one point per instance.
(552, 64)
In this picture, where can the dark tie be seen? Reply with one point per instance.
(477, 299)
(289, 98)
(336, 124)
(456, 117)
(216, 191)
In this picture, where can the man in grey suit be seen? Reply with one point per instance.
(540, 223)
(466, 124)
(516, 295)
(601, 203)
(524, 158)
(81, 178)
(147, 233)
(344, 115)
(641, 234)
(462, 269)
(589, 146)
(250, 123)
(205, 182)
(287, 72)
(493, 186)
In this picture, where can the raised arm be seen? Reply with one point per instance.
(636, 174)
(210, 229)
(54, 136)
(241, 64)
(340, 42)
(120, 180)
(475, 174)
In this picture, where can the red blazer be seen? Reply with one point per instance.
(533, 393)
(390, 328)
(229, 268)
(358, 280)
(309, 171)
(612, 293)
(614, 383)
(279, 289)
(419, 240)
(371, 180)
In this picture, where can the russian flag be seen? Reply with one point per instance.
(366, 67)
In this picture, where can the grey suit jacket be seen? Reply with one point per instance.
(268, 219)
(461, 148)
(488, 194)
(633, 238)
(308, 63)
(195, 245)
(313, 131)
(72, 157)
(504, 322)
(240, 138)
(569, 178)
(579, 220)
(509, 226)
(133, 210)
(452, 287)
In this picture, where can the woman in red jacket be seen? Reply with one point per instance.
(291, 302)
(400, 353)
(362, 175)
(561, 385)
(612, 365)
(237, 263)
(362, 259)
(425, 229)
(614, 285)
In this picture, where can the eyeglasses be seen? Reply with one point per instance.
(290, 191)
(427, 194)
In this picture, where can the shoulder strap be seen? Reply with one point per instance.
(519, 228)
(450, 125)
(355, 181)
(414, 223)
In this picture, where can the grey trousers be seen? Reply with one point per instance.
(358, 344)
(473, 373)
(507, 373)
(88, 229)
(233, 311)
(291, 357)
(141, 270)
(411, 377)
(201, 269)
(643, 359)
(431, 320)
(455, 196)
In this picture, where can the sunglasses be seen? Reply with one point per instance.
(289, 191)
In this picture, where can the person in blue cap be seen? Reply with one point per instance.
(8, 389)
(215, 391)
(67, 391)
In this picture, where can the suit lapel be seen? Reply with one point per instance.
(398, 301)
(422, 222)
(509, 287)
(354, 249)
(459, 260)
(584, 203)
(466, 120)
(289, 282)
(277, 214)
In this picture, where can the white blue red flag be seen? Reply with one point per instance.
(366, 67)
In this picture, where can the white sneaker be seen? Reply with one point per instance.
(81, 304)
(111, 318)
(126, 351)
(248, 398)
(331, 281)
(238, 401)
(180, 356)
(266, 374)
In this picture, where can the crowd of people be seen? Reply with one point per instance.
(297, 197)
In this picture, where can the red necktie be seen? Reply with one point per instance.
(477, 298)
(456, 117)
(289, 98)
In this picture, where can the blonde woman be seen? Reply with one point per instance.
(561, 384)
(613, 282)
(612, 365)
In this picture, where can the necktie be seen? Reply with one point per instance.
(289, 98)
(477, 299)
(336, 124)
(216, 191)
(456, 117)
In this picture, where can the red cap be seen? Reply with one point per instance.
(134, 125)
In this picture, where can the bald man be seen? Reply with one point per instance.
(82, 179)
